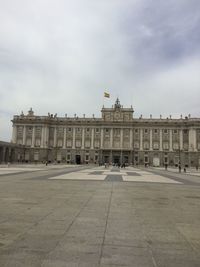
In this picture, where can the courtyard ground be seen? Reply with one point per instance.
(90, 216)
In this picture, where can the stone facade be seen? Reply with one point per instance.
(115, 137)
(10, 152)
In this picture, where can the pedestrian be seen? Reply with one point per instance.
(179, 168)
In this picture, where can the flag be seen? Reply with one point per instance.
(106, 95)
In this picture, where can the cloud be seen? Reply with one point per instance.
(60, 56)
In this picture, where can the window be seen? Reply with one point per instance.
(175, 146)
(87, 157)
(175, 131)
(107, 130)
(136, 145)
(136, 130)
(145, 130)
(78, 143)
(69, 129)
(87, 143)
(146, 145)
(37, 142)
(60, 143)
(155, 145)
(97, 130)
(165, 145)
(88, 129)
(165, 131)
(155, 131)
(96, 143)
(69, 143)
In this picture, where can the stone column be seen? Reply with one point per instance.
(83, 139)
(33, 137)
(161, 140)
(3, 154)
(131, 138)
(181, 139)
(170, 140)
(55, 137)
(141, 139)
(42, 137)
(192, 140)
(101, 138)
(111, 138)
(92, 139)
(64, 141)
(14, 134)
(47, 137)
(74, 137)
(24, 135)
(121, 138)
(151, 140)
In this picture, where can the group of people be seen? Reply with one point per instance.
(123, 165)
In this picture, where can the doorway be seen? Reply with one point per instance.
(78, 159)
(116, 159)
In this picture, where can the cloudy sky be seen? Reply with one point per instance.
(59, 56)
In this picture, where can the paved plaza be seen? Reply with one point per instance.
(91, 216)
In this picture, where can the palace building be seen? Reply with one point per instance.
(116, 137)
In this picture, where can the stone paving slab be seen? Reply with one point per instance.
(149, 179)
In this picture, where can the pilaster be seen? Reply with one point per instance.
(64, 141)
(24, 136)
(92, 139)
(161, 140)
(170, 140)
(141, 139)
(151, 137)
(74, 137)
(33, 137)
(83, 139)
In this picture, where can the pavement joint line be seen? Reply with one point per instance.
(70, 225)
(170, 176)
(106, 226)
(20, 237)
